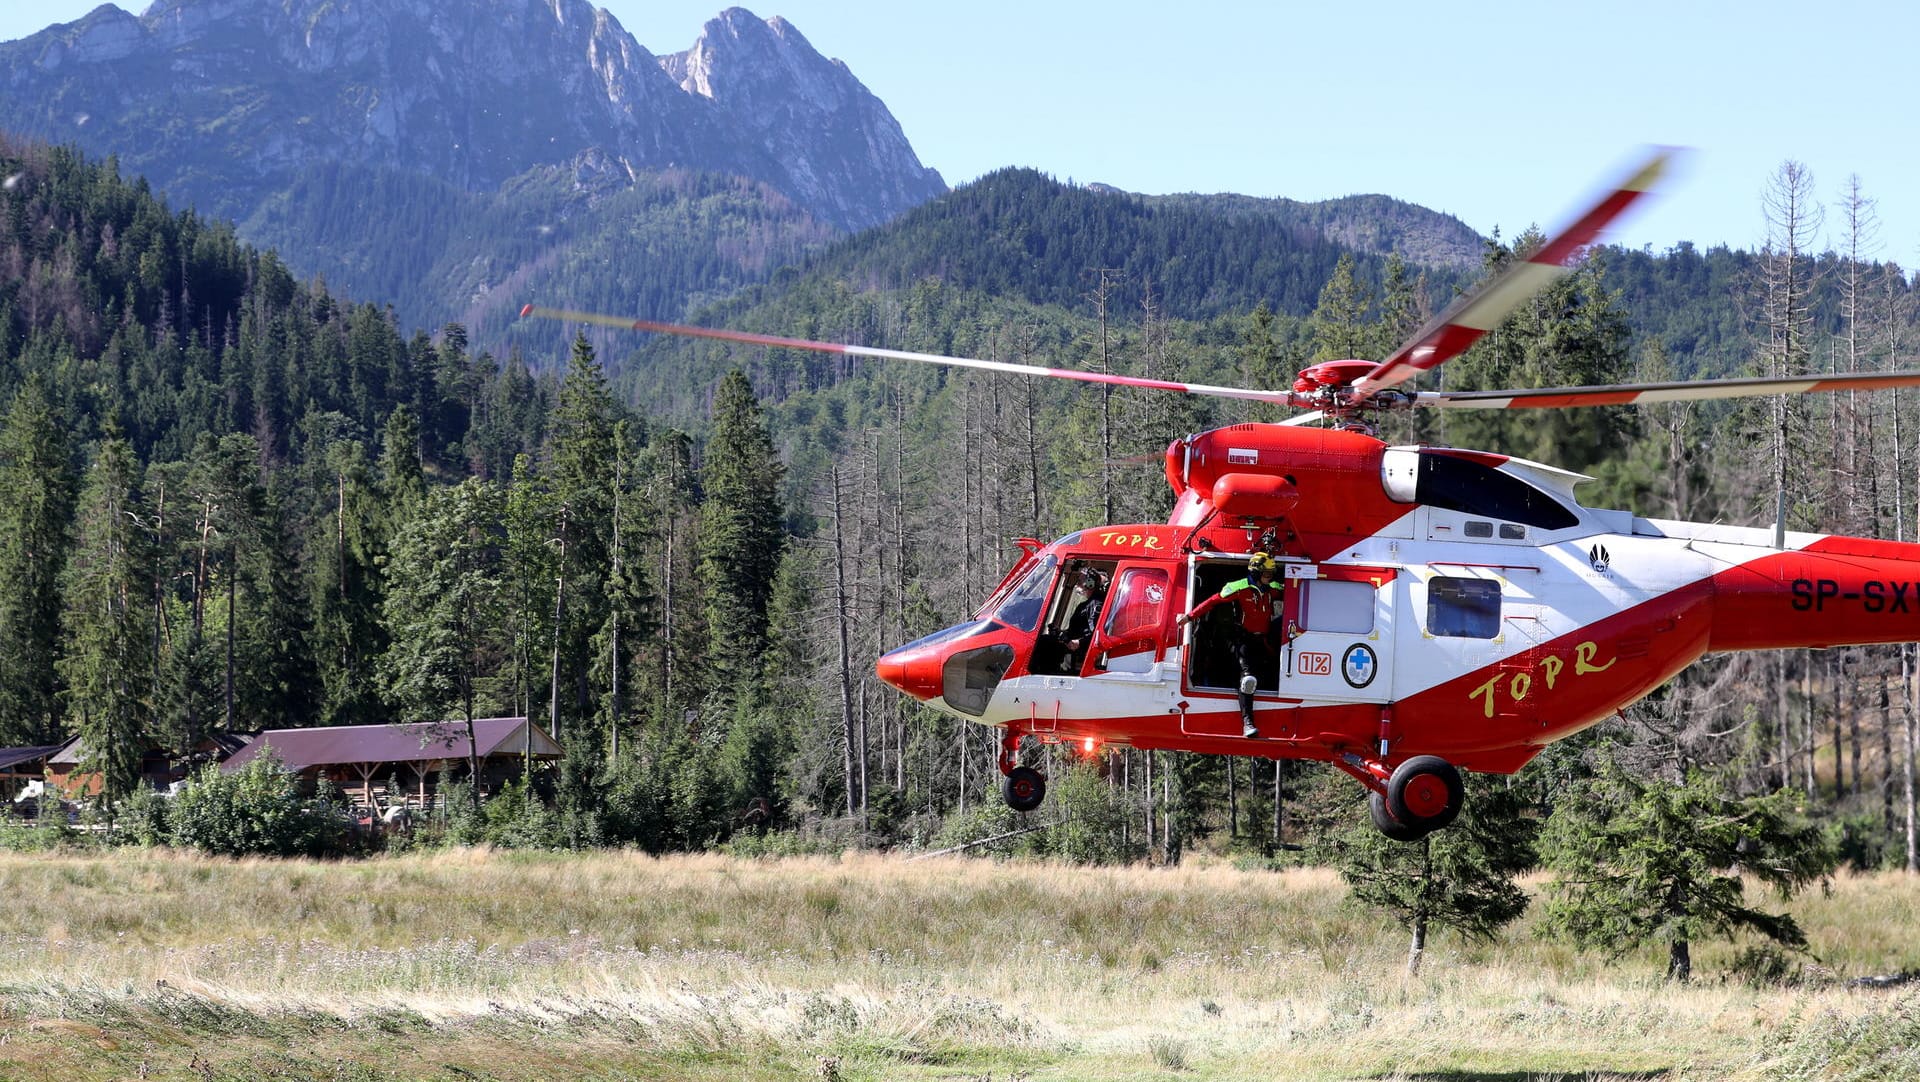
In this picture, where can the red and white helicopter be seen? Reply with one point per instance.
(1442, 609)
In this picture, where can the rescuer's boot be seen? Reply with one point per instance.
(1247, 727)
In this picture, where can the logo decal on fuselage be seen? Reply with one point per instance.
(1597, 556)
(1359, 666)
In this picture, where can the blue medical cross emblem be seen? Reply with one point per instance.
(1359, 665)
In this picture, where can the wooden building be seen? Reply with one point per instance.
(381, 767)
(19, 766)
(63, 770)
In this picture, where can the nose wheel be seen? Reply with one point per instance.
(1022, 787)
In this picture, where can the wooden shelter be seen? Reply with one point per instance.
(18, 766)
(382, 766)
(63, 770)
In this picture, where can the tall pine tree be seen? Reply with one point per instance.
(580, 470)
(742, 535)
(36, 503)
(107, 659)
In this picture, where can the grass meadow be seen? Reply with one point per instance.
(495, 965)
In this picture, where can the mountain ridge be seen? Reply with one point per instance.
(473, 98)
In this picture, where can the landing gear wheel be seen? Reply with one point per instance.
(1023, 788)
(1425, 793)
(1385, 823)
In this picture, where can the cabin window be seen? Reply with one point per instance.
(1342, 607)
(1475, 488)
(1463, 608)
(1021, 609)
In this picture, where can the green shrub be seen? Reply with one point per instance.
(805, 840)
(517, 819)
(21, 838)
(459, 821)
(1096, 822)
(144, 818)
(254, 810)
(989, 819)
(1864, 841)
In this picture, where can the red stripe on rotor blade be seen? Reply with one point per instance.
(1451, 341)
(1447, 342)
(1581, 233)
(1563, 401)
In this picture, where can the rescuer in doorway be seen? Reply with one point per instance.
(1255, 599)
(1079, 632)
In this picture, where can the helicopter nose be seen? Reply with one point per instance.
(914, 671)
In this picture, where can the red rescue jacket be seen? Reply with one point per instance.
(1257, 604)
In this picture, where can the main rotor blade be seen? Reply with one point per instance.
(777, 342)
(1631, 394)
(1465, 320)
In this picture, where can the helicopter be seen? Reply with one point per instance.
(1439, 610)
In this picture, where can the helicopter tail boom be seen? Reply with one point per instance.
(1834, 591)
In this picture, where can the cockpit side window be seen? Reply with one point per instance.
(1021, 609)
(1461, 484)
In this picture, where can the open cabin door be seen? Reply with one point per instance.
(1130, 635)
(1339, 624)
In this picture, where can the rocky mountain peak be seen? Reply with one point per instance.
(219, 102)
(820, 122)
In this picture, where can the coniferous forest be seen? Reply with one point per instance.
(230, 500)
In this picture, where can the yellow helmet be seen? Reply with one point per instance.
(1261, 563)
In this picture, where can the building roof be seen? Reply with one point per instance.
(68, 754)
(71, 753)
(12, 757)
(299, 749)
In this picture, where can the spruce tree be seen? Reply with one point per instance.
(580, 473)
(345, 588)
(106, 660)
(1460, 878)
(742, 535)
(1340, 329)
(628, 604)
(1641, 860)
(528, 571)
(444, 609)
(36, 504)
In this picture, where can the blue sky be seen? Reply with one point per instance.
(1504, 114)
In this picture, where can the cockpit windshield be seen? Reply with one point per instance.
(1021, 607)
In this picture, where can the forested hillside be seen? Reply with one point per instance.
(229, 500)
(667, 243)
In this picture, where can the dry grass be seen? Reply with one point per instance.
(512, 966)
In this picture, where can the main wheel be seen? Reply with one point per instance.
(1023, 788)
(1385, 823)
(1426, 793)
